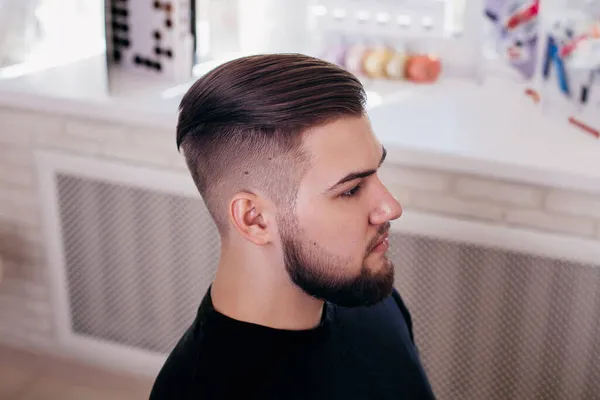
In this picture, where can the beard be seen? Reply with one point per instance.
(319, 273)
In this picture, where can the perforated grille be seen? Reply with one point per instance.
(490, 324)
(138, 262)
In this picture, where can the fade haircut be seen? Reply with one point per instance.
(241, 125)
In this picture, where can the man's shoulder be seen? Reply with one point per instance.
(177, 373)
(404, 311)
(390, 313)
(202, 358)
(204, 364)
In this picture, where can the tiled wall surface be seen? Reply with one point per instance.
(25, 308)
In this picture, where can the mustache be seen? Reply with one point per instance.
(383, 229)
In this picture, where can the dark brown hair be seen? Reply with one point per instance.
(240, 126)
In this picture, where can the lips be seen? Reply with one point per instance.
(383, 239)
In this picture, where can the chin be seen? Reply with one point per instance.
(379, 268)
(377, 261)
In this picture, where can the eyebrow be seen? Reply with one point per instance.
(358, 175)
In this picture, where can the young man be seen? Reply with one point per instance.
(302, 306)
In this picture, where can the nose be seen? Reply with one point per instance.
(387, 209)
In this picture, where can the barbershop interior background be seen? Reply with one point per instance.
(490, 114)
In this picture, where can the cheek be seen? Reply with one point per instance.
(341, 231)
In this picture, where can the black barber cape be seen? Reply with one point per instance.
(354, 353)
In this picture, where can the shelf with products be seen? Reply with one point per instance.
(399, 40)
(454, 125)
(570, 65)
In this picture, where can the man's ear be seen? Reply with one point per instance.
(250, 216)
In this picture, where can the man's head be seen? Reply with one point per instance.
(282, 151)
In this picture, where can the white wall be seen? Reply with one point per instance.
(25, 311)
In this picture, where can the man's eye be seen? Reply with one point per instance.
(352, 192)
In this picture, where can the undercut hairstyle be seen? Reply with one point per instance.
(241, 126)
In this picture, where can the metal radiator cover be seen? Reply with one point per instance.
(489, 323)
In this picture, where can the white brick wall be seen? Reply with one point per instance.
(21, 250)
(177, 161)
(25, 311)
(412, 178)
(540, 219)
(509, 203)
(19, 177)
(12, 155)
(573, 204)
(452, 205)
(25, 290)
(501, 192)
(401, 193)
(33, 292)
(93, 131)
(17, 127)
(21, 271)
(71, 140)
(13, 307)
(18, 206)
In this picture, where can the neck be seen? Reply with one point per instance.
(252, 289)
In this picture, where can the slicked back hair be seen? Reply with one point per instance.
(241, 125)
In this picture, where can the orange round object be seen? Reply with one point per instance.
(423, 69)
(376, 61)
(396, 66)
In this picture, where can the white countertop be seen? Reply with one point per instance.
(494, 130)
(491, 129)
(81, 89)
